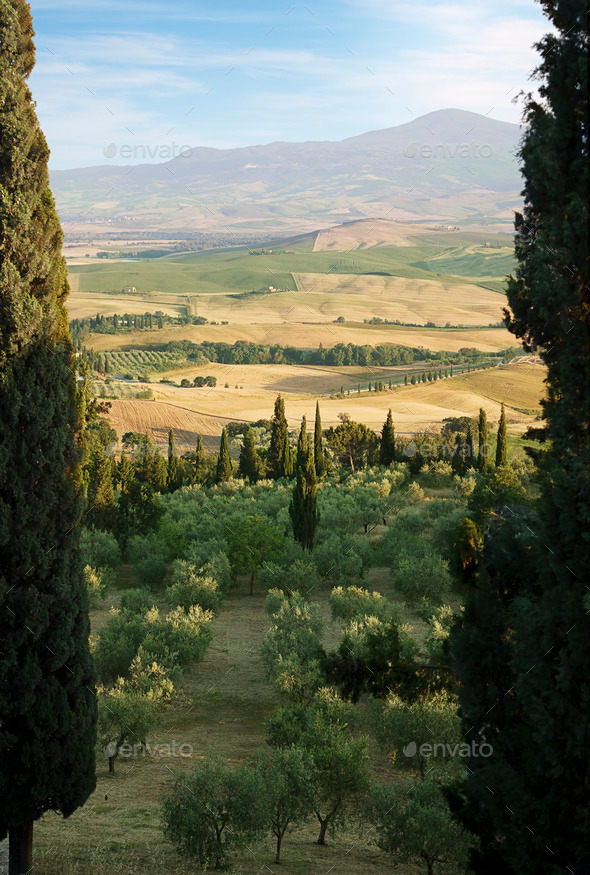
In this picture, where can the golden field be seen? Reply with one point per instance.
(309, 336)
(252, 390)
(405, 299)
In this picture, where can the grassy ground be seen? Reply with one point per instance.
(224, 704)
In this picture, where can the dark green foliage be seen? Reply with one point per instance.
(303, 508)
(354, 444)
(253, 541)
(286, 776)
(535, 669)
(136, 601)
(173, 470)
(278, 437)
(413, 823)
(47, 698)
(223, 471)
(387, 446)
(287, 463)
(101, 494)
(213, 809)
(250, 467)
(483, 449)
(501, 449)
(319, 459)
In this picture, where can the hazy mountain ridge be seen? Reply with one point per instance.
(449, 164)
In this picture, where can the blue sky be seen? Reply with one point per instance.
(115, 74)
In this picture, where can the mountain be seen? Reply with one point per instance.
(448, 165)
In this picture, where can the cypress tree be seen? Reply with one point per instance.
(224, 466)
(173, 473)
(101, 494)
(303, 507)
(482, 450)
(529, 802)
(47, 696)
(250, 467)
(199, 460)
(387, 448)
(469, 448)
(459, 453)
(501, 449)
(406, 380)
(319, 459)
(278, 436)
(287, 460)
(124, 471)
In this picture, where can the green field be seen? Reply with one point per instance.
(237, 270)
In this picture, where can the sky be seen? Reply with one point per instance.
(118, 79)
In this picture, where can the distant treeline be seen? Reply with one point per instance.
(80, 329)
(385, 354)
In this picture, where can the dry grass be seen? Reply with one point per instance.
(520, 385)
(310, 335)
(82, 304)
(371, 232)
(253, 388)
(226, 700)
(407, 300)
(158, 418)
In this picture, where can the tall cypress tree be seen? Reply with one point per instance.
(173, 473)
(501, 448)
(459, 453)
(469, 448)
(482, 433)
(199, 460)
(278, 436)
(318, 445)
(287, 465)
(101, 494)
(530, 800)
(224, 466)
(250, 466)
(303, 507)
(387, 446)
(47, 697)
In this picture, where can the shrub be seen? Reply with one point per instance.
(213, 809)
(352, 602)
(94, 587)
(99, 548)
(189, 588)
(150, 556)
(136, 601)
(417, 576)
(185, 633)
(118, 644)
(219, 569)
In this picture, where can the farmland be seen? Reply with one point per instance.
(447, 265)
(252, 389)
